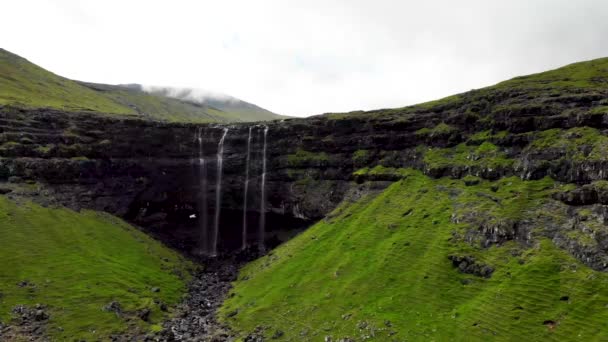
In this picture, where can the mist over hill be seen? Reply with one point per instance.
(26, 85)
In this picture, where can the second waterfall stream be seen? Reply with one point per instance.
(262, 227)
(218, 192)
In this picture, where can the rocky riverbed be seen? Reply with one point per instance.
(195, 318)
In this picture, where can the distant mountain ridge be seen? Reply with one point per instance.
(225, 103)
(24, 84)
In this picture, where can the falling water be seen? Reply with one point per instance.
(202, 210)
(245, 191)
(218, 192)
(262, 227)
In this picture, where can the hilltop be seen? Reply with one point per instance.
(26, 85)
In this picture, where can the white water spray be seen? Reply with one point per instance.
(218, 192)
(245, 191)
(202, 202)
(262, 227)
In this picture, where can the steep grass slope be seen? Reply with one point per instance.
(77, 263)
(400, 266)
(586, 78)
(24, 84)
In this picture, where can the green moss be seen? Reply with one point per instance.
(10, 144)
(44, 150)
(304, 158)
(361, 157)
(487, 156)
(579, 143)
(599, 110)
(487, 135)
(381, 170)
(380, 267)
(76, 263)
(441, 129)
(498, 205)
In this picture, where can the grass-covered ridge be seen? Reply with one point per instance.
(26, 85)
(587, 74)
(380, 269)
(77, 263)
(587, 78)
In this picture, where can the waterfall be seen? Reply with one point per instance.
(202, 202)
(262, 227)
(245, 191)
(218, 192)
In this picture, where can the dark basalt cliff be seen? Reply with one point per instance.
(149, 172)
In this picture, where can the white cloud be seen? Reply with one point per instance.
(306, 57)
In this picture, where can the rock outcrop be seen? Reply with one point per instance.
(148, 172)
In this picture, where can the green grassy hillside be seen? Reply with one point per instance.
(77, 263)
(380, 269)
(587, 74)
(162, 108)
(234, 109)
(24, 84)
(588, 77)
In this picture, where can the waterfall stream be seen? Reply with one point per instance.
(262, 226)
(218, 192)
(202, 210)
(245, 191)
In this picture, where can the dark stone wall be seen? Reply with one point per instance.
(149, 172)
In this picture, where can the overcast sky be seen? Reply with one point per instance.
(306, 57)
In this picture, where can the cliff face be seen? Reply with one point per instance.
(151, 174)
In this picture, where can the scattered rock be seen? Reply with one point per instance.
(24, 283)
(144, 314)
(155, 289)
(195, 318)
(551, 324)
(278, 334)
(28, 324)
(113, 306)
(161, 305)
(40, 315)
(467, 264)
